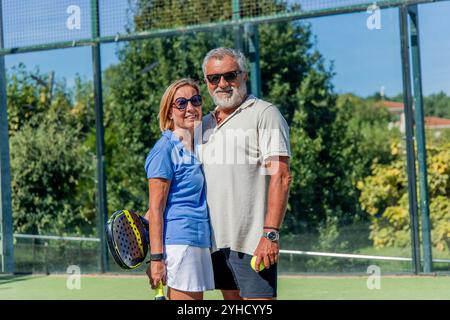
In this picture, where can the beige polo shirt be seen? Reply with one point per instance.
(233, 155)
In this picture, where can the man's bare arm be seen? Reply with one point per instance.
(280, 179)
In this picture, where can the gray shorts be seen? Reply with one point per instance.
(232, 271)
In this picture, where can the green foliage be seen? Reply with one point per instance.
(27, 98)
(384, 197)
(52, 169)
(329, 241)
(52, 178)
(437, 104)
(362, 131)
(333, 154)
(162, 14)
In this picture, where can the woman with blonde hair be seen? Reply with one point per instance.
(178, 214)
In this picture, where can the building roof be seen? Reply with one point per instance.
(436, 122)
(392, 105)
(431, 122)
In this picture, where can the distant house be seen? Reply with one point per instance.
(396, 108)
(437, 123)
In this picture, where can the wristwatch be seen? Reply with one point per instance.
(271, 235)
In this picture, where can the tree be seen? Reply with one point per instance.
(52, 174)
(438, 105)
(384, 197)
(28, 98)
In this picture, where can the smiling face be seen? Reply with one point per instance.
(226, 94)
(189, 117)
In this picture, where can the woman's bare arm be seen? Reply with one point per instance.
(158, 193)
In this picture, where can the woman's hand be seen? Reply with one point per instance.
(156, 272)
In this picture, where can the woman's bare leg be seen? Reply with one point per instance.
(174, 294)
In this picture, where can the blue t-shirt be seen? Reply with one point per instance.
(186, 219)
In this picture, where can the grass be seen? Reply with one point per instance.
(111, 287)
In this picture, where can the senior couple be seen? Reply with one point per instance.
(218, 186)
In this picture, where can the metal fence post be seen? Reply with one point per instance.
(420, 137)
(410, 157)
(6, 222)
(253, 55)
(102, 213)
(236, 7)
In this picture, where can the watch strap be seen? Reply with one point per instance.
(156, 257)
(271, 228)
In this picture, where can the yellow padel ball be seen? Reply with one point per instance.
(261, 265)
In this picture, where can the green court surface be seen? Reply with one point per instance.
(113, 287)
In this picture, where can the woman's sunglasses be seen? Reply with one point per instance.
(214, 79)
(182, 103)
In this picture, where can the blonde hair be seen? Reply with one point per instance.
(167, 100)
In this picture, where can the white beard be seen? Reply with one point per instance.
(236, 97)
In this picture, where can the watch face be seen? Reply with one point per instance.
(272, 235)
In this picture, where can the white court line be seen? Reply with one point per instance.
(32, 236)
(354, 256)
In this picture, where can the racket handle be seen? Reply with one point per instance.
(144, 221)
(159, 292)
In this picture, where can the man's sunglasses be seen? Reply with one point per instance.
(214, 79)
(182, 103)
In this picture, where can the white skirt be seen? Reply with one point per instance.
(189, 268)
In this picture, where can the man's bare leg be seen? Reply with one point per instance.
(231, 295)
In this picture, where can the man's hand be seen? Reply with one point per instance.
(266, 251)
(156, 273)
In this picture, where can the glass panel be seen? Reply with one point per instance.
(37, 22)
(336, 79)
(116, 17)
(434, 46)
(343, 100)
(52, 142)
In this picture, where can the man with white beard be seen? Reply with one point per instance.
(245, 153)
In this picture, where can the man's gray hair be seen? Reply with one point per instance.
(220, 53)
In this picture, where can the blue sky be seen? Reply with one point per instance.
(364, 60)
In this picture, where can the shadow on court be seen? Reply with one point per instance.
(10, 278)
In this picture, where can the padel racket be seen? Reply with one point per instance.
(127, 236)
(128, 241)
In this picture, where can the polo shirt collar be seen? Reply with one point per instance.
(247, 103)
(172, 137)
(177, 142)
